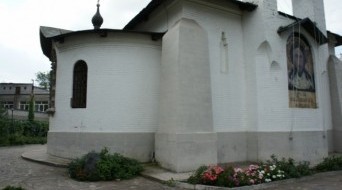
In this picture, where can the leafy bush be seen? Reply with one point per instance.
(330, 164)
(3, 111)
(291, 169)
(31, 110)
(103, 166)
(226, 179)
(13, 188)
(22, 132)
(196, 177)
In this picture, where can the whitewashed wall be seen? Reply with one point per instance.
(227, 84)
(123, 83)
(268, 77)
(252, 93)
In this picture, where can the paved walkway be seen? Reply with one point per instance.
(16, 171)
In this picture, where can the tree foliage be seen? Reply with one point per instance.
(43, 79)
(31, 110)
(3, 111)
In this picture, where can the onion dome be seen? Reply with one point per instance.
(97, 19)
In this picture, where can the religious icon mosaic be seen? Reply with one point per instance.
(301, 80)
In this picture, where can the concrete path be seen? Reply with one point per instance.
(16, 171)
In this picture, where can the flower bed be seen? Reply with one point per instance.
(272, 170)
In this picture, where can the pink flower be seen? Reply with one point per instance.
(238, 170)
(212, 173)
(218, 170)
(253, 167)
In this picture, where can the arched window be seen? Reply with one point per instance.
(79, 89)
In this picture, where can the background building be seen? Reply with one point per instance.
(18, 96)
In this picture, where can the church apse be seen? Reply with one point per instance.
(301, 80)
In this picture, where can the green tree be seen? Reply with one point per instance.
(3, 111)
(31, 110)
(43, 79)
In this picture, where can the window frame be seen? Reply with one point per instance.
(79, 85)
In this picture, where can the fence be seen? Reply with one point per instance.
(23, 115)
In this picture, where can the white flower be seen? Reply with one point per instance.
(267, 180)
(273, 176)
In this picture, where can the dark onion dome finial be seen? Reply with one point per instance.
(97, 19)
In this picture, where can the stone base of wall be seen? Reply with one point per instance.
(186, 152)
(302, 146)
(71, 145)
(231, 147)
(259, 146)
(330, 140)
(337, 135)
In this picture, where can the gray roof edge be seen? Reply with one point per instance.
(154, 4)
(47, 34)
(337, 37)
(309, 26)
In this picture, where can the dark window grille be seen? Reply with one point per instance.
(79, 90)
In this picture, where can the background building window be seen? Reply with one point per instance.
(8, 104)
(41, 106)
(24, 105)
(79, 93)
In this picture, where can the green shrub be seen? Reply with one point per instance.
(22, 132)
(196, 177)
(226, 178)
(31, 110)
(35, 129)
(13, 188)
(330, 164)
(3, 111)
(290, 168)
(103, 166)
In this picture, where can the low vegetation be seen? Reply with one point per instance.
(103, 166)
(13, 188)
(333, 163)
(272, 170)
(16, 132)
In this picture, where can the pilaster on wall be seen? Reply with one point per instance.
(185, 139)
(335, 74)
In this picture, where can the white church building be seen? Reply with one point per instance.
(194, 82)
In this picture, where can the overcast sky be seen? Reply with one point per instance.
(20, 53)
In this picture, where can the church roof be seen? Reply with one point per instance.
(308, 25)
(154, 4)
(45, 34)
(48, 34)
(334, 39)
(311, 27)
